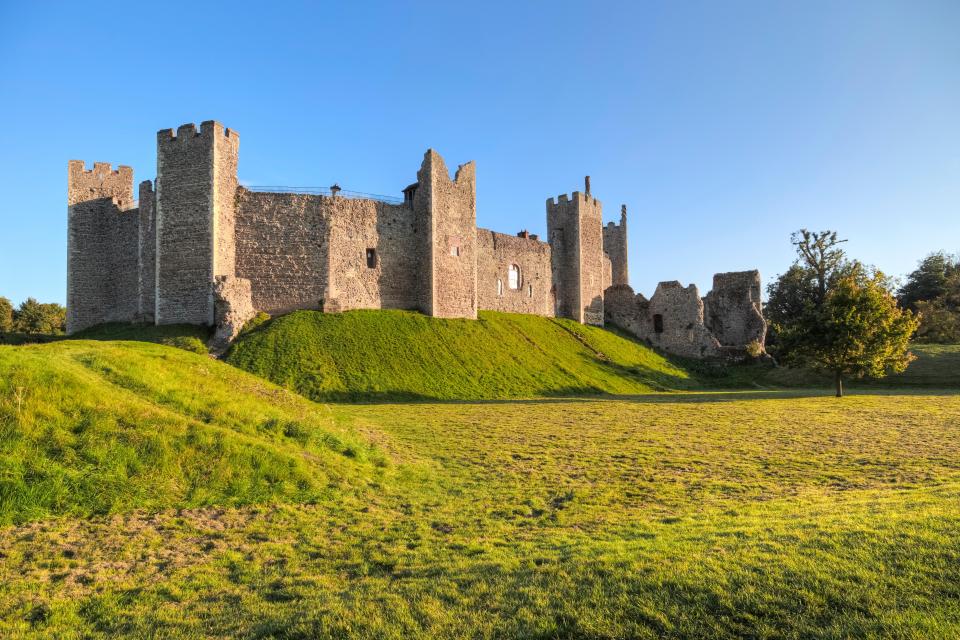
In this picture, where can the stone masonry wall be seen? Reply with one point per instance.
(147, 245)
(449, 207)
(495, 253)
(196, 182)
(102, 246)
(575, 228)
(563, 233)
(733, 309)
(615, 246)
(389, 277)
(282, 248)
(675, 319)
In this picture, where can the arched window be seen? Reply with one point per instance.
(499, 287)
(513, 277)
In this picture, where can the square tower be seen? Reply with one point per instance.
(575, 229)
(195, 208)
(448, 209)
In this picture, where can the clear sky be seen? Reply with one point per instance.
(723, 126)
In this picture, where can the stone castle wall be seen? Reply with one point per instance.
(496, 253)
(615, 246)
(200, 249)
(102, 246)
(574, 226)
(450, 211)
(376, 255)
(733, 310)
(282, 248)
(677, 320)
(196, 184)
(147, 253)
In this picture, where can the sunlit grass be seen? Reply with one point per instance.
(762, 514)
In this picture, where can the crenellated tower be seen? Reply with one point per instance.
(575, 230)
(102, 245)
(195, 200)
(615, 246)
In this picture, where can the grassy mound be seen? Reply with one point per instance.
(405, 355)
(93, 427)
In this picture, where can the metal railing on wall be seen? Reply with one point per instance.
(326, 191)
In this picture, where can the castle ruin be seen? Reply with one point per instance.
(196, 247)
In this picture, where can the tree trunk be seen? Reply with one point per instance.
(839, 382)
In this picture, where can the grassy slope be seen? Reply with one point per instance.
(241, 510)
(662, 516)
(88, 427)
(405, 355)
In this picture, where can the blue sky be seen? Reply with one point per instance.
(723, 126)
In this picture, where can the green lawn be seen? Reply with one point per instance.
(403, 355)
(765, 514)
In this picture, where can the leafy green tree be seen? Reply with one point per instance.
(37, 317)
(819, 251)
(929, 280)
(6, 314)
(940, 317)
(820, 261)
(858, 330)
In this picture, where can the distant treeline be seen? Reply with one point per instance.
(32, 317)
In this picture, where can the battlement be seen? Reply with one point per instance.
(584, 201)
(100, 169)
(187, 132)
(100, 182)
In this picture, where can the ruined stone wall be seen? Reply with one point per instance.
(615, 246)
(448, 210)
(682, 329)
(675, 319)
(147, 247)
(496, 252)
(282, 248)
(195, 189)
(375, 255)
(575, 230)
(733, 309)
(102, 246)
(672, 320)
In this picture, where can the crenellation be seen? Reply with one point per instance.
(201, 249)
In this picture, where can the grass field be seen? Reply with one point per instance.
(402, 355)
(155, 493)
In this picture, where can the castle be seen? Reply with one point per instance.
(196, 247)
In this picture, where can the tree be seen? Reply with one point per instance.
(940, 317)
(6, 314)
(819, 252)
(929, 280)
(857, 330)
(37, 317)
(820, 261)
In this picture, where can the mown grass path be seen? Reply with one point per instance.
(762, 514)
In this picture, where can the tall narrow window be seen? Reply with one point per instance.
(513, 277)
(657, 323)
(372, 258)
(529, 290)
(499, 287)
